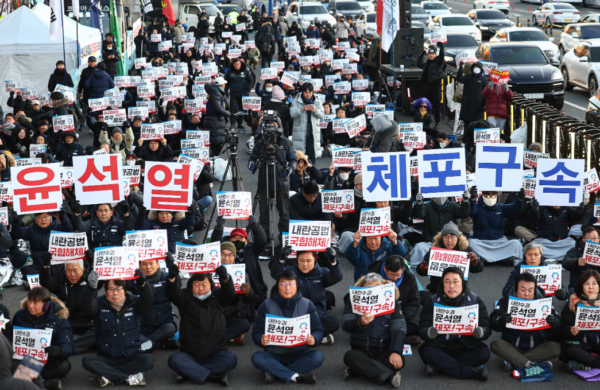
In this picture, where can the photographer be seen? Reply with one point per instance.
(216, 114)
(273, 146)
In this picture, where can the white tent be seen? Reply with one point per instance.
(28, 55)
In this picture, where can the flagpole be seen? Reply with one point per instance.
(394, 61)
(62, 19)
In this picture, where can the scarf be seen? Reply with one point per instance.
(383, 275)
(118, 305)
(155, 277)
(309, 116)
(574, 300)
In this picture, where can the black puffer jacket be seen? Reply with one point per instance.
(203, 183)
(85, 74)
(58, 77)
(111, 63)
(239, 81)
(216, 114)
(433, 71)
(163, 153)
(473, 104)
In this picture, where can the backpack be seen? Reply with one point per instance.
(264, 42)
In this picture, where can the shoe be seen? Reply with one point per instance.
(307, 377)
(103, 382)
(239, 340)
(506, 365)
(414, 340)
(167, 344)
(136, 380)
(510, 261)
(181, 379)
(269, 378)
(349, 374)
(328, 340)
(437, 125)
(52, 384)
(430, 370)
(396, 379)
(220, 378)
(574, 366)
(147, 347)
(334, 241)
(480, 373)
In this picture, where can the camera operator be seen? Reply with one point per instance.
(271, 145)
(216, 114)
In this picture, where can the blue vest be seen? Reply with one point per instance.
(161, 311)
(274, 309)
(117, 334)
(105, 237)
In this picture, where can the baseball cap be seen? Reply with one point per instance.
(431, 50)
(34, 102)
(220, 81)
(238, 231)
(92, 59)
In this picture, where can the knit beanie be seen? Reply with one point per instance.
(278, 93)
(227, 245)
(450, 228)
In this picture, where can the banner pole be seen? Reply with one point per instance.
(62, 18)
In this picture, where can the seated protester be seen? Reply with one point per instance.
(65, 147)
(154, 151)
(379, 361)
(287, 363)
(447, 141)
(117, 317)
(449, 238)
(175, 225)
(435, 214)
(266, 94)
(104, 229)
(308, 205)
(118, 143)
(312, 282)
(40, 310)
(367, 250)
(158, 325)
(384, 136)
(19, 142)
(395, 270)
(341, 181)
(423, 113)
(203, 352)
(336, 140)
(524, 348)
(488, 215)
(581, 347)
(460, 356)
(38, 235)
(68, 282)
(351, 221)
(303, 173)
(553, 224)
(534, 256)
(574, 261)
(96, 127)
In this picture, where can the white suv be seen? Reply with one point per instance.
(455, 23)
(581, 67)
(577, 32)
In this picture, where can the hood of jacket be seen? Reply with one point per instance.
(62, 103)
(233, 70)
(453, 301)
(55, 306)
(153, 215)
(461, 245)
(480, 66)
(361, 282)
(281, 301)
(385, 133)
(212, 89)
(7, 160)
(301, 156)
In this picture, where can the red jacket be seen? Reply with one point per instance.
(496, 100)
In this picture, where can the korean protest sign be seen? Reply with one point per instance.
(356, 125)
(34, 281)
(587, 317)
(4, 216)
(361, 85)
(529, 185)
(198, 258)
(499, 77)
(200, 154)
(455, 320)
(330, 79)
(237, 273)
(596, 211)
(591, 183)
(560, 182)
(191, 143)
(337, 201)
(350, 68)
(439, 36)
(145, 91)
(151, 244)
(27, 162)
(67, 246)
(375, 222)
(32, 342)
(487, 136)
(36, 188)
(498, 165)
(29, 93)
(370, 108)
(548, 276)
(98, 178)
(114, 118)
(338, 126)
(13, 86)
(168, 186)
(285, 241)
(289, 78)
(529, 314)
(489, 66)
(63, 122)
(361, 99)
(465, 56)
(342, 87)
(150, 105)
(591, 252)
(194, 106)
(310, 235)
(377, 300)
(35, 149)
(99, 104)
(386, 177)
(326, 119)
(6, 192)
(172, 127)
(287, 332)
(388, 113)
(251, 103)
(357, 163)
(268, 73)
(234, 204)
(413, 139)
(442, 172)
(195, 164)
(440, 259)
(531, 158)
(344, 157)
(414, 166)
(279, 65)
(152, 131)
(116, 262)
(132, 173)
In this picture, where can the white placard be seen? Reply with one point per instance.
(529, 314)
(252, 103)
(375, 222)
(587, 317)
(498, 165)
(310, 235)
(67, 246)
(386, 176)
(548, 276)
(204, 258)
(455, 320)
(32, 342)
(116, 263)
(487, 136)
(442, 172)
(356, 125)
(337, 201)
(560, 182)
(377, 300)
(440, 259)
(152, 131)
(98, 178)
(237, 273)
(63, 122)
(344, 157)
(36, 188)
(413, 139)
(531, 158)
(234, 204)
(287, 332)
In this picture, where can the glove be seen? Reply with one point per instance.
(173, 271)
(220, 221)
(222, 273)
(561, 294)
(286, 172)
(141, 278)
(474, 192)
(142, 210)
(251, 166)
(285, 252)
(125, 124)
(505, 86)
(252, 220)
(581, 206)
(465, 196)
(89, 255)
(552, 320)
(124, 207)
(331, 255)
(521, 194)
(23, 149)
(169, 260)
(400, 145)
(53, 351)
(490, 85)
(351, 106)
(93, 280)
(419, 199)
(506, 318)
(478, 332)
(535, 205)
(47, 259)
(65, 210)
(440, 45)
(432, 333)
(76, 207)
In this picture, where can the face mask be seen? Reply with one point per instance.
(476, 71)
(443, 145)
(439, 201)
(269, 89)
(203, 297)
(344, 176)
(294, 63)
(357, 192)
(490, 201)
(109, 47)
(131, 162)
(239, 245)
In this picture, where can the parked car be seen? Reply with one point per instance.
(455, 23)
(435, 8)
(591, 18)
(531, 35)
(575, 33)
(456, 42)
(307, 11)
(367, 5)
(581, 67)
(347, 8)
(488, 21)
(189, 12)
(502, 5)
(419, 15)
(531, 74)
(551, 13)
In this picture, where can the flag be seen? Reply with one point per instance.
(56, 19)
(95, 18)
(115, 29)
(379, 16)
(391, 23)
(168, 11)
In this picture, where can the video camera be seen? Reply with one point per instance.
(270, 127)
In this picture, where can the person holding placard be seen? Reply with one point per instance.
(117, 317)
(460, 356)
(581, 346)
(339, 181)
(433, 74)
(518, 348)
(379, 361)
(304, 173)
(217, 114)
(472, 106)
(156, 150)
(287, 363)
(334, 138)
(364, 250)
(40, 310)
(308, 204)
(175, 223)
(65, 147)
(104, 229)
(574, 261)
(203, 353)
(118, 143)
(496, 97)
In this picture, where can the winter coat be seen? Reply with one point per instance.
(294, 307)
(571, 260)
(98, 83)
(161, 312)
(428, 119)
(472, 101)
(384, 140)
(140, 41)
(588, 339)
(512, 278)
(454, 342)
(86, 73)
(64, 151)
(384, 334)
(461, 245)
(553, 224)
(104, 235)
(361, 256)
(312, 285)
(239, 81)
(122, 147)
(496, 98)
(433, 71)
(299, 178)
(204, 180)
(111, 63)
(313, 32)
(341, 30)
(253, 53)
(488, 222)
(299, 135)
(436, 217)
(163, 153)
(303, 210)
(180, 222)
(54, 317)
(58, 77)
(287, 152)
(216, 114)
(179, 30)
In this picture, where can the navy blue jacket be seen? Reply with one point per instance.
(571, 260)
(361, 256)
(161, 311)
(488, 222)
(65, 152)
(510, 283)
(98, 83)
(101, 235)
(174, 229)
(303, 210)
(553, 224)
(239, 82)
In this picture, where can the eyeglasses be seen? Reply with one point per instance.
(43, 216)
(289, 284)
(228, 255)
(452, 282)
(113, 289)
(425, 106)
